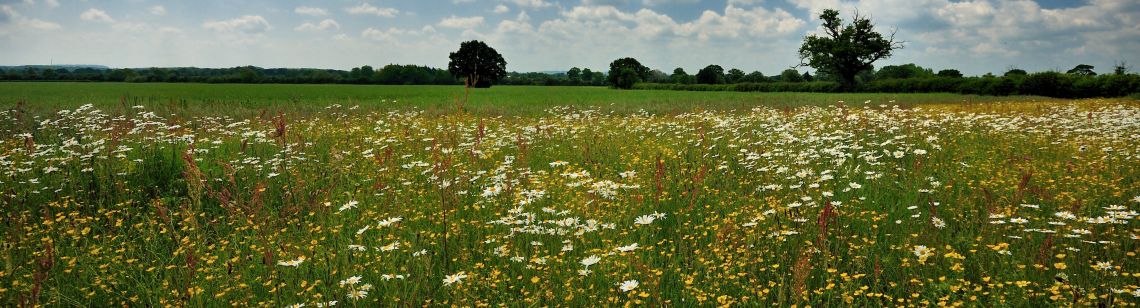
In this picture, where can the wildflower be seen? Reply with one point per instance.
(356, 247)
(898, 154)
(919, 152)
(1018, 220)
(292, 263)
(854, 185)
(350, 281)
(628, 174)
(453, 279)
(389, 221)
(347, 206)
(937, 222)
(357, 294)
(644, 220)
(628, 248)
(628, 285)
(591, 260)
(390, 247)
(922, 252)
(584, 272)
(1103, 265)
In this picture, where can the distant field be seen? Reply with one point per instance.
(499, 100)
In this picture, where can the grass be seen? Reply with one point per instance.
(737, 200)
(247, 99)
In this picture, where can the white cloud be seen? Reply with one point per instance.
(327, 24)
(501, 9)
(11, 22)
(982, 36)
(744, 2)
(461, 22)
(531, 3)
(368, 9)
(663, 2)
(311, 11)
(158, 10)
(249, 24)
(51, 3)
(96, 15)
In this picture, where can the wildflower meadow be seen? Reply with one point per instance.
(844, 203)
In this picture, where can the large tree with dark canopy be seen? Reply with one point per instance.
(478, 64)
(845, 50)
(625, 72)
(712, 74)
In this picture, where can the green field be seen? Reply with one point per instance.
(279, 195)
(499, 100)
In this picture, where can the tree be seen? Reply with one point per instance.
(1120, 68)
(1015, 72)
(791, 75)
(625, 72)
(844, 51)
(904, 71)
(712, 74)
(755, 76)
(679, 76)
(478, 64)
(657, 76)
(1082, 70)
(807, 77)
(734, 76)
(573, 73)
(952, 73)
(587, 75)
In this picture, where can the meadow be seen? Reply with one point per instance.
(315, 196)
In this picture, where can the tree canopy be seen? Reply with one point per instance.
(845, 50)
(712, 74)
(1082, 70)
(478, 64)
(625, 72)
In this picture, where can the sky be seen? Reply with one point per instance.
(975, 37)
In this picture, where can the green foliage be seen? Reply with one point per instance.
(845, 50)
(734, 76)
(574, 73)
(755, 76)
(478, 64)
(952, 73)
(1051, 84)
(1014, 72)
(712, 74)
(1082, 70)
(680, 76)
(791, 75)
(909, 70)
(625, 72)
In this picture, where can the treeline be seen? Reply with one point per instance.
(389, 74)
(1051, 84)
(1079, 82)
(573, 77)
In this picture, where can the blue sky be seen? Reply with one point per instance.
(976, 37)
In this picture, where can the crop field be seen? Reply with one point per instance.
(314, 196)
